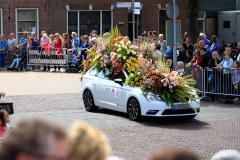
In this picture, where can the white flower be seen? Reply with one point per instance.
(133, 52)
(115, 44)
(122, 42)
(124, 57)
(119, 55)
(128, 51)
(119, 46)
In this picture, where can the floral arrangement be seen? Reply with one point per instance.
(160, 81)
(147, 49)
(114, 53)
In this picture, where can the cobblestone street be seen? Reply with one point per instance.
(55, 96)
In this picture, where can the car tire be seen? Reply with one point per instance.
(133, 109)
(88, 101)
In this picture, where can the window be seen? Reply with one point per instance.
(83, 22)
(226, 24)
(162, 21)
(201, 21)
(93, 72)
(26, 20)
(1, 21)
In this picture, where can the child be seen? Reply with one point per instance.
(180, 68)
(70, 58)
(51, 44)
(236, 78)
(4, 119)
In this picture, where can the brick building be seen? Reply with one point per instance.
(83, 16)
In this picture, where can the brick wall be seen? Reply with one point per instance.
(53, 14)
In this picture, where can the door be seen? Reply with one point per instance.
(116, 94)
(226, 26)
(237, 21)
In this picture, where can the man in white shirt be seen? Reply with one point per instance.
(12, 46)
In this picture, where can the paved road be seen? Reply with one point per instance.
(55, 96)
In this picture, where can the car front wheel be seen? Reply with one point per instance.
(133, 109)
(88, 101)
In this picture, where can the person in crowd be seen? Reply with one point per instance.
(20, 54)
(169, 53)
(157, 54)
(33, 44)
(144, 37)
(81, 40)
(169, 63)
(84, 46)
(189, 42)
(229, 50)
(51, 44)
(12, 46)
(202, 36)
(180, 68)
(189, 56)
(227, 154)
(196, 47)
(139, 42)
(150, 36)
(41, 139)
(66, 41)
(215, 44)
(76, 42)
(213, 78)
(33, 35)
(44, 43)
(24, 39)
(205, 58)
(238, 52)
(70, 58)
(58, 46)
(85, 142)
(92, 42)
(184, 37)
(3, 51)
(155, 37)
(236, 78)
(196, 59)
(225, 66)
(163, 44)
(182, 52)
(173, 154)
(2, 94)
(203, 45)
(4, 119)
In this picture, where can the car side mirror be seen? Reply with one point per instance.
(119, 81)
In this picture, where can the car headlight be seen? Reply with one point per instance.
(152, 97)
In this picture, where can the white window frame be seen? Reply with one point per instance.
(204, 20)
(16, 20)
(78, 15)
(1, 20)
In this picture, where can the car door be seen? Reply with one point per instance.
(116, 94)
(101, 90)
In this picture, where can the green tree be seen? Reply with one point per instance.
(192, 19)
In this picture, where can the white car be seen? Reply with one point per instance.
(99, 90)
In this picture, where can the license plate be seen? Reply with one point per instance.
(179, 106)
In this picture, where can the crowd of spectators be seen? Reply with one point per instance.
(35, 139)
(16, 52)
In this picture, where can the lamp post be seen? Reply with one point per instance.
(174, 37)
(133, 19)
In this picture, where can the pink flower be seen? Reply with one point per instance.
(171, 91)
(165, 84)
(112, 54)
(170, 87)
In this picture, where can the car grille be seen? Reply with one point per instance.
(180, 111)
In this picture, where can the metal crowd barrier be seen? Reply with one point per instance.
(36, 58)
(213, 83)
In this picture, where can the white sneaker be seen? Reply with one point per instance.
(236, 99)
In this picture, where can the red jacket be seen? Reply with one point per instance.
(2, 130)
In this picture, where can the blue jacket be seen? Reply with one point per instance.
(237, 74)
(34, 45)
(228, 65)
(169, 52)
(182, 55)
(20, 54)
(4, 44)
(75, 44)
(23, 41)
